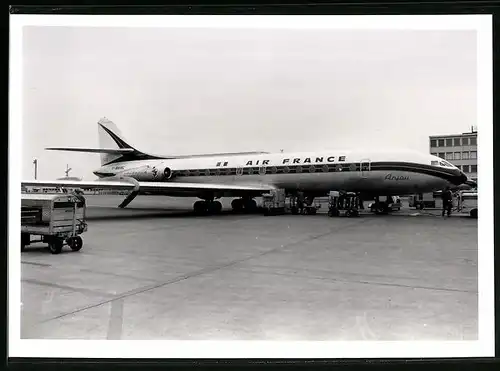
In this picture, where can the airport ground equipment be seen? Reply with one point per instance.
(273, 202)
(391, 203)
(56, 218)
(297, 205)
(467, 203)
(429, 200)
(343, 204)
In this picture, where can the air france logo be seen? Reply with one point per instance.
(396, 177)
(296, 161)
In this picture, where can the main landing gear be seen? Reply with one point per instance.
(211, 207)
(244, 205)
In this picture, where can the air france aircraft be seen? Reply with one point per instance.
(247, 175)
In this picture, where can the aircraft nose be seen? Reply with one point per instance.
(459, 178)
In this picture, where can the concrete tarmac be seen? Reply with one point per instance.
(155, 271)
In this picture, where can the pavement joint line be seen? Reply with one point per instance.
(196, 273)
(65, 287)
(320, 271)
(87, 270)
(363, 282)
(37, 264)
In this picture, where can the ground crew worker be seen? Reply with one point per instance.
(447, 198)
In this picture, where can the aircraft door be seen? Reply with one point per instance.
(365, 167)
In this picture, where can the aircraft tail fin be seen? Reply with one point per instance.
(112, 145)
(111, 137)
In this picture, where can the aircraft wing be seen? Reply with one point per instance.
(176, 189)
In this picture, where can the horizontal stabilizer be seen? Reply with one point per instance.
(93, 150)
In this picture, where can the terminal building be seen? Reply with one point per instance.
(459, 149)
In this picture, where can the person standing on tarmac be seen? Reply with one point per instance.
(447, 197)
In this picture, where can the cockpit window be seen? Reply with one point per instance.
(445, 164)
(441, 163)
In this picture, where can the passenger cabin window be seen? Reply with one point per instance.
(449, 142)
(457, 142)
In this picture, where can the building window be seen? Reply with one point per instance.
(433, 143)
(434, 154)
(441, 154)
(473, 155)
(449, 156)
(457, 156)
(465, 155)
(465, 141)
(465, 168)
(449, 142)
(473, 141)
(459, 167)
(441, 142)
(457, 142)
(473, 168)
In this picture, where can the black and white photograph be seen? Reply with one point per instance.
(294, 186)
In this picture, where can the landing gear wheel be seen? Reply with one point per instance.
(75, 243)
(250, 206)
(237, 205)
(55, 246)
(214, 207)
(200, 207)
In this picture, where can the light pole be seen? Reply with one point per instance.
(35, 162)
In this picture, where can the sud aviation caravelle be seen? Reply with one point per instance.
(246, 175)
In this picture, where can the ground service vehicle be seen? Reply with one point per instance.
(430, 200)
(343, 203)
(273, 202)
(467, 203)
(393, 203)
(57, 218)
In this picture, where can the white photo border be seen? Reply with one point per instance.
(483, 347)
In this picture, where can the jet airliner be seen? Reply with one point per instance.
(246, 175)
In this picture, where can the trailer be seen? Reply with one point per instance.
(273, 202)
(55, 218)
(467, 203)
(346, 204)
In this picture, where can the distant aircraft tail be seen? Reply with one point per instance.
(112, 145)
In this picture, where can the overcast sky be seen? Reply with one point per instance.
(179, 91)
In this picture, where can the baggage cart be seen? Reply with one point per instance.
(346, 204)
(273, 202)
(55, 218)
